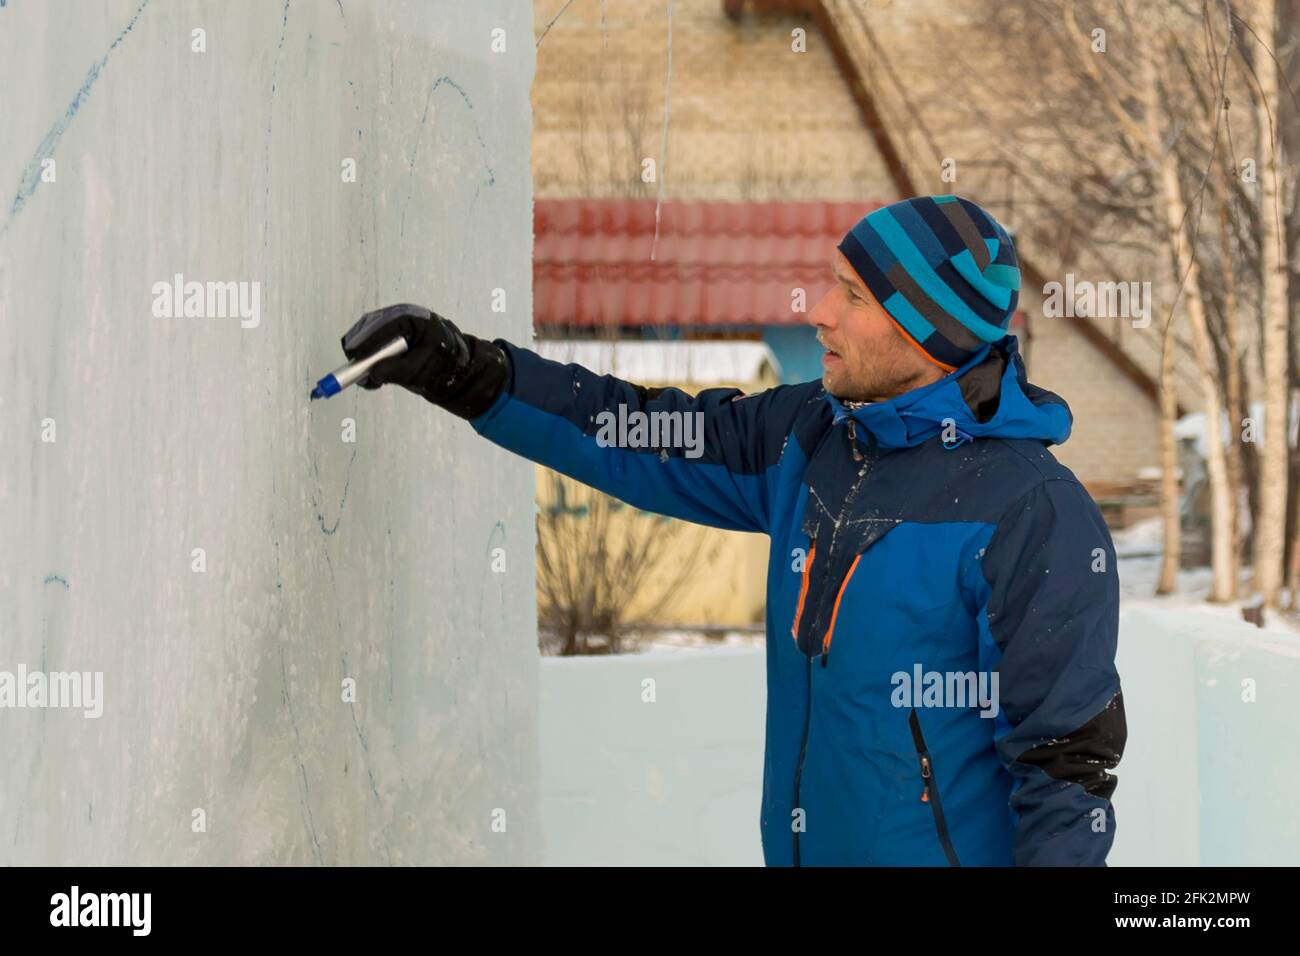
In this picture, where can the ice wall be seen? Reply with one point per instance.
(396, 568)
(673, 780)
(1209, 773)
(1211, 769)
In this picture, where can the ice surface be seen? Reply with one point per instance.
(653, 759)
(402, 561)
(1208, 776)
(1211, 766)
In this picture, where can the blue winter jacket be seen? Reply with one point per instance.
(921, 548)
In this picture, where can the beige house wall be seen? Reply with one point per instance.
(1116, 426)
(748, 118)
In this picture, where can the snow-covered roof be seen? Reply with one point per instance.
(686, 363)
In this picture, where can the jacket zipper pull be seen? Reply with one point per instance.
(925, 775)
(853, 440)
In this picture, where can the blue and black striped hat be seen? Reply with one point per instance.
(943, 268)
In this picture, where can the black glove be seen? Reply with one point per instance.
(442, 365)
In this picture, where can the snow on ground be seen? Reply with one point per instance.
(1140, 539)
(1208, 776)
(686, 640)
(1139, 550)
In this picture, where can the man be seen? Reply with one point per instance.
(920, 530)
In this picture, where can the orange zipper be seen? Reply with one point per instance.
(826, 641)
(803, 592)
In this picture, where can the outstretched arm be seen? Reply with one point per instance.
(710, 464)
(706, 458)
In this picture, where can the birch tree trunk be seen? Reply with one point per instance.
(1169, 484)
(1223, 586)
(1269, 535)
(1232, 371)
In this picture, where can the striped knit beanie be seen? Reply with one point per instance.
(943, 268)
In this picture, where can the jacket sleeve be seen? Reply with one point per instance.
(716, 470)
(1051, 616)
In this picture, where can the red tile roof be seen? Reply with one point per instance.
(715, 264)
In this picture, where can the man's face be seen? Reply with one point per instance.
(867, 358)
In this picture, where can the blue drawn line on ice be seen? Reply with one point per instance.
(424, 120)
(343, 657)
(270, 118)
(492, 542)
(392, 607)
(308, 819)
(51, 578)
(347, 483)
(30, 180)
(415, 155)
(284, 26)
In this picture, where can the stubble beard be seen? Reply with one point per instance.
(876, 381)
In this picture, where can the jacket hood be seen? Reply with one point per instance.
(993, 379)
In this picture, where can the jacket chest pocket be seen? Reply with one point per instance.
(883, 614)
(816, 610)
(833, 562)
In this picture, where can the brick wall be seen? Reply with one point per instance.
(749, 118)
(1116, 426)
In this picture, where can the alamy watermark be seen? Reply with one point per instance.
(663, 430)
(179, 299)
(922, 688)
(57, 689)
(1098, 300)
(75, 908)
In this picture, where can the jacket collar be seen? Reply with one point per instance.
(945, 406)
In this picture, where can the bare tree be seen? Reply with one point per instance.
(1152, 139)
(1135, 148)
(597, 556)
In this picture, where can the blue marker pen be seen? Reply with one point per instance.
(341, 378)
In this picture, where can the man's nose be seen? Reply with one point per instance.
(823, 315)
